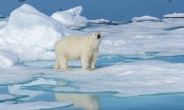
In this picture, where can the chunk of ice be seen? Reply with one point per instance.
(71, 18)
(7, 58)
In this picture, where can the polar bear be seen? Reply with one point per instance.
(74, 48)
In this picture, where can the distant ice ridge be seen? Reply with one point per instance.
(27, 27)
(99, 21)
(174, 15)
(71, 18)
(7, 58)
(145, 18)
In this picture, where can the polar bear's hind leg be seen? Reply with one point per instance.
(56, 65)
(63, 62)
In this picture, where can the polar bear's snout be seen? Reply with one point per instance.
(98, 36)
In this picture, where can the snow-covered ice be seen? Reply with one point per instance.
(144, 18)
(174, 15)
(7, 58)
(122, 79)
(146, 39)
(129, 79)
(16, 89)
(100, 21)
(33, 105)
(3, 22)
(31, 30)
(71, 18)
(6, 97)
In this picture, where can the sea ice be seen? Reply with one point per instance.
(7, 58)
(30, 28)
(174, 15)
(145, 18)
(6, 97)
(3, 22)
(122, 79)
(128, 79)
(33, 105)
(71, 18)
(147, 39)
(99, 21)
(16, 89)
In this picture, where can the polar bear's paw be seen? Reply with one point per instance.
(93, 69)
(66, 69)
(86, 69)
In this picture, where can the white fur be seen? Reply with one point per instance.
(74, 48)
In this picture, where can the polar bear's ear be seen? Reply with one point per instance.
(101, 33)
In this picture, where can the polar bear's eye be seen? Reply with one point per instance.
(95, 34)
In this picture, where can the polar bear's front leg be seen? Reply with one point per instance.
(85, 62)
(63, 62)
(93, 59)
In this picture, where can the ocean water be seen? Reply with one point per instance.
(119, 10)
(43, 86)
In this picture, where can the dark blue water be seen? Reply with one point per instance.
(115, 10)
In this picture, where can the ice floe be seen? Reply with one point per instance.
(7, 58)
(16, 89)
(3, 22)
(33, 105)
(143, 39)
(6, 97)
(99, 21)
(71, 18)
(144, 18)
(27, 27)
(127, 79)
(121, 79)
(174, 15)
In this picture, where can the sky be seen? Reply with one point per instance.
(115, 10)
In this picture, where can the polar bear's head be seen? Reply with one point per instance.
(95, 39)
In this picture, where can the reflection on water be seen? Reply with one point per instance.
(92, 101)
(85, 101)
(80, 101)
